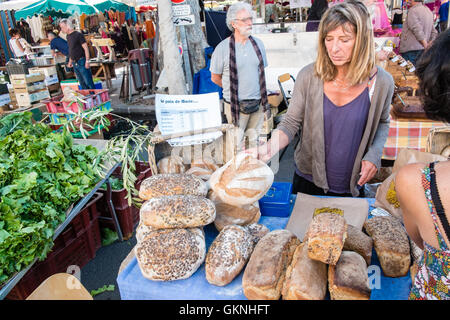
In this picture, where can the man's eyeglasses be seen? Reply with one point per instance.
(245, 20)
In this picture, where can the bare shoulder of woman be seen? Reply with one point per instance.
(408, 183)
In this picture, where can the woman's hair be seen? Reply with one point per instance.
(13, 32)
(433, 70)
(234, 9)
(354, 14)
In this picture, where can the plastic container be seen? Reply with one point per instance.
(76, 245)
(99, 96)
(55, 105)
(276, 202)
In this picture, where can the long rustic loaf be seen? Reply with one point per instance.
(171, 254)
(228, 254)
(359, 242)
(391, 245)
(326, 236)
(179, 211)
(171, 164)
(227, 214)
(348, 279)
(142, 231)
(306, 279)
(242, 180)
(265, 272)
(161, 185)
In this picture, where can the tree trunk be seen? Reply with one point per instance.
(173, 68)
(196, 40)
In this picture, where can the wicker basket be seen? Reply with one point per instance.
(438, 139)
(160, 148)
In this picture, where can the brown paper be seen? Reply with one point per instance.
(356, 211)
(407, 156)
(381, 201)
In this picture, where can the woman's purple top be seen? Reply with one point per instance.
(344, 128)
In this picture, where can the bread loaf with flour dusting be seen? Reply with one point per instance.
(242, 180)
(171, 164)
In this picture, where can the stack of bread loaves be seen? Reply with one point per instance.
(236, 188)
(202, 168)
(333, 256)
(170, 237)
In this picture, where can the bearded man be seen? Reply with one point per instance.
(237, 65)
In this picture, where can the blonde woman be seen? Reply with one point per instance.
(340, 104)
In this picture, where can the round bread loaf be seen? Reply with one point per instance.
(161, 185)
(242, 180)
(171, 164)
(228, 254)
(179, 211)
(202, 173)
(227, 214)
(205, 163)
(171, 254)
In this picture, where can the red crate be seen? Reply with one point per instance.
(55, 105)
(76, 245)
(99, 95)
(78, 252)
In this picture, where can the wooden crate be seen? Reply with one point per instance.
(27, 99)
(221, 150)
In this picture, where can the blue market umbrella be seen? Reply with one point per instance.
(56, 7)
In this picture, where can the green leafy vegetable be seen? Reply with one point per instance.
(105, 288)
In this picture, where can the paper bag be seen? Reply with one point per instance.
(406, 156)
(356, 211)
(386, 198)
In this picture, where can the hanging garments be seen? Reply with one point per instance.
(150, 29)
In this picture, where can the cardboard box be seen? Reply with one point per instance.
(46, 71)
(26, 99)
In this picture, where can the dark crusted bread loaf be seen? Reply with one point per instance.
(180, 211)
(359, 242)
(348, 279)
(228, 254)
(306, 279)
(391, 245)
(171, 254)
(161, 185)
(326, 236)
(265, 272)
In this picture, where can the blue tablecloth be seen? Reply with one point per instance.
(133, 286)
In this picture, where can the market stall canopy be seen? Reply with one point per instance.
(105, 5)
(15, 5)
(52, 7)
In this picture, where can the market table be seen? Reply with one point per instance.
(408, 134)
(133, 286)
(72, 213)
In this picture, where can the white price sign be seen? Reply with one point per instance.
(184, 20)
(152, 3)
(181, 10)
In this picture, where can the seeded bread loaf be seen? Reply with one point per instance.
(242, 180)
(359, 242)
(306, 279)
(171, 164)
(265, 271)
(142, 231)
(391, 245)
(180, 211)
(161, 185)
(257, 231)
(228, 254)
(326, 235)
(227, 214)
(348, 279)
(171, 254)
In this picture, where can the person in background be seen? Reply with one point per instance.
(340, 107)
(418, 31)
(318, 8)
(78, 55)
(423, 190)
(19, 46)
(397, 18)
(237, 65)
(58, 43)
(443, 15)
